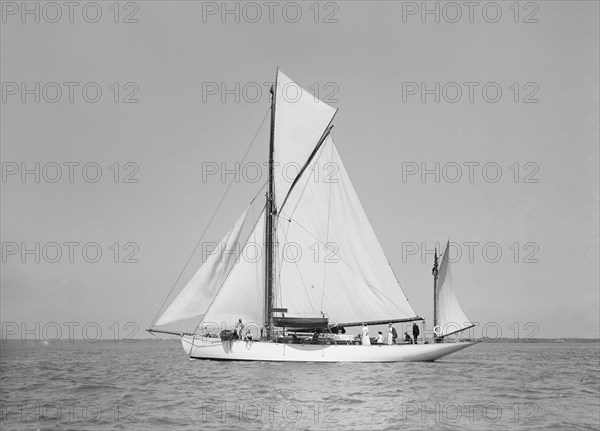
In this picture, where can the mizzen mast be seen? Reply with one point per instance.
(435, 273)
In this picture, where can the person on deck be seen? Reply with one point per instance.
(238, 328)
(407, 339)
(380, 337)
(248, 336)
(392, 334)
(415, 332)
(366, 341)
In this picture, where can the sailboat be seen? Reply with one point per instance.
(297, 309)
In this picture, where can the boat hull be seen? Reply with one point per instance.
(237, 350)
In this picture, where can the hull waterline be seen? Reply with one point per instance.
(198, 348)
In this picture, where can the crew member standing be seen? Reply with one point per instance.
(238, 328)
(415, 332)
(392, 334)
(366, 341)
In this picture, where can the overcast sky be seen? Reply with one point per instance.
(369, 59)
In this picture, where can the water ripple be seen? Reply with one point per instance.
(152, 385)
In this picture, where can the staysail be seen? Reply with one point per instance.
(450, 315)
(330, 262)
(197, 294)
(242, 293)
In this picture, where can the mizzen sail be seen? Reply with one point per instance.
(450, 315)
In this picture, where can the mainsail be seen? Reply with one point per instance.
(330, 261)
(450, 316)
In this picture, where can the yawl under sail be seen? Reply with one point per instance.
(350, 283)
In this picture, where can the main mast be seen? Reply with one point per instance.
(435, 272)
(271, 211)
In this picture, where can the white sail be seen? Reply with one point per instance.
(342, 271)
(242, 294)
(195, 297)
(450, 315)
(300, 120)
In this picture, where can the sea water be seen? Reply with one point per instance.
(152, 385)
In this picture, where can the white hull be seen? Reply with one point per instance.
(210, 348)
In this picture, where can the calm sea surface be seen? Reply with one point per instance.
(152, 385)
